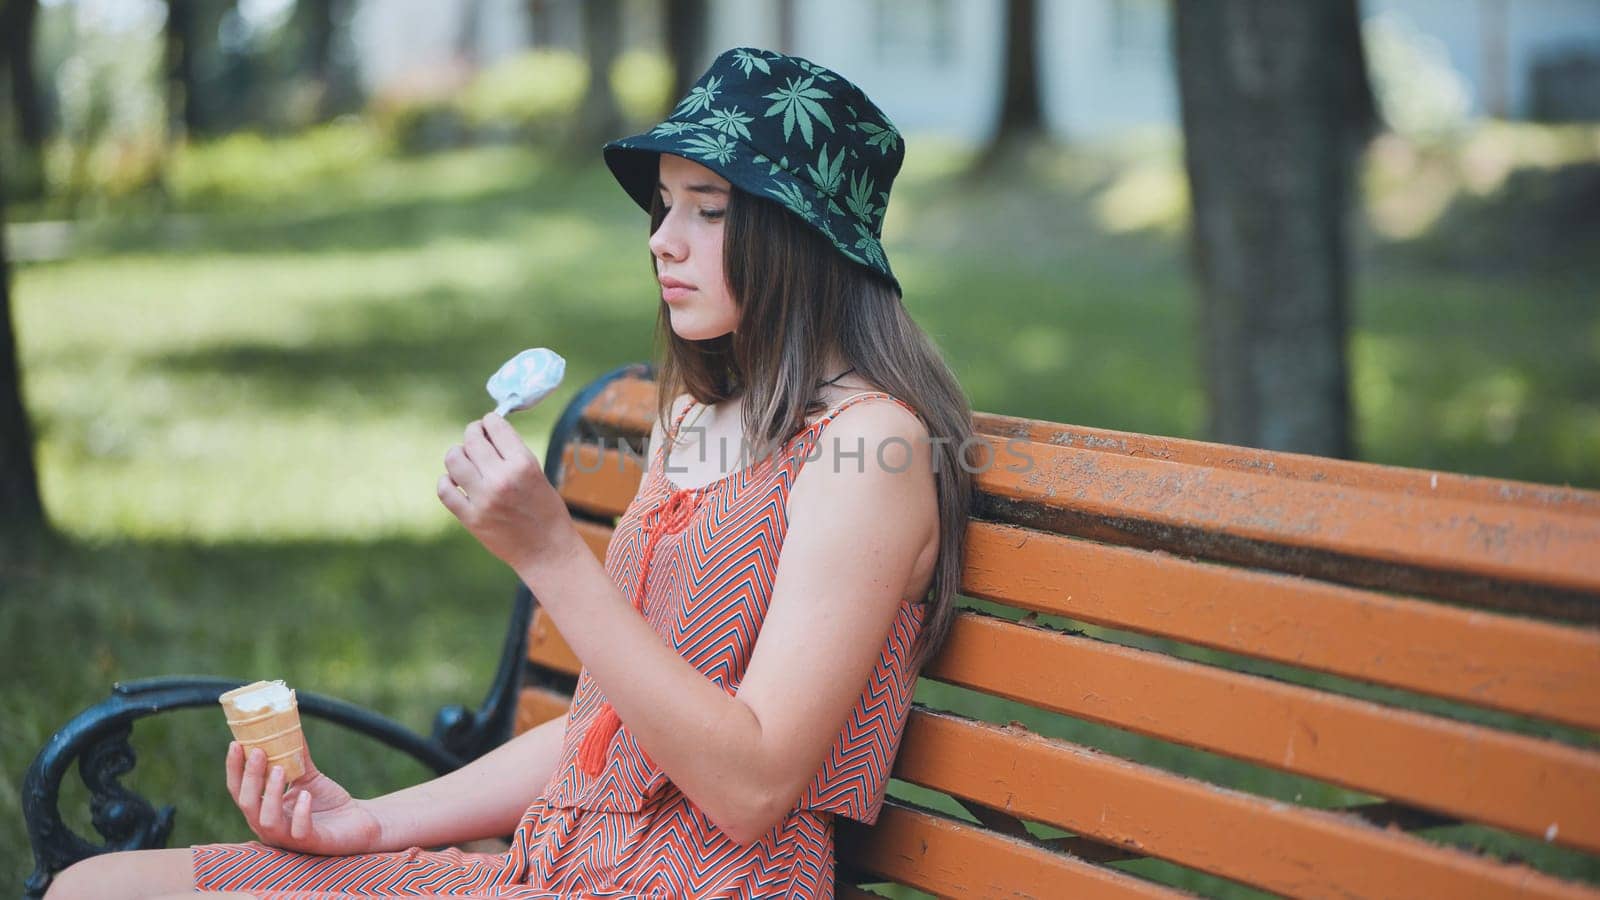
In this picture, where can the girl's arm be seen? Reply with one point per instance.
(745, 759)
(485, 798)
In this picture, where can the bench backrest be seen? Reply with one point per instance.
(1218, 665)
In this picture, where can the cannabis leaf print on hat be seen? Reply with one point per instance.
(786, 128)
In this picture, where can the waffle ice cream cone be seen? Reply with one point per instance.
(266, 715)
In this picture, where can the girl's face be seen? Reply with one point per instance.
(688, 250)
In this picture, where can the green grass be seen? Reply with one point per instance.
(242, 409)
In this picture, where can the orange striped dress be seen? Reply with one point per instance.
(700, 562)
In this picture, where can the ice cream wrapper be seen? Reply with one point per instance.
(525, 379)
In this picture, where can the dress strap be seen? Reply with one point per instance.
(677, 422)
(850, 401)
(803, 450)
(670, 437)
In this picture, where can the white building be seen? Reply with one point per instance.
(934, 65)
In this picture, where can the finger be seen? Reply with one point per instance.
(462, 470)
(249, 798)
(479, 448)
(505, 438)
(451, 496)
(235, 767)
(300, 823)
(272, 800)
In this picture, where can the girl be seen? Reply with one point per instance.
(734, 699)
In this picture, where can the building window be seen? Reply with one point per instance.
(918, 32)
(1139, 31)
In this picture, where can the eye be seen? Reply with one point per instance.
(712, 214)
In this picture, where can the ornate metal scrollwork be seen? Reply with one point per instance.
(97, 739)
(123, 817)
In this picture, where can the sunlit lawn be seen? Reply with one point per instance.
(242, 411)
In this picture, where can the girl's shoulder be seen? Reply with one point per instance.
(867, 426)
(873, 408)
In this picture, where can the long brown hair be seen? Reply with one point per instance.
(797, 296)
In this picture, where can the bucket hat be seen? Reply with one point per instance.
(787, 129)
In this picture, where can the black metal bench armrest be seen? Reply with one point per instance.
(98, 739)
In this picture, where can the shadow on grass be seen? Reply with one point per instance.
(390, 221)
(428, 352)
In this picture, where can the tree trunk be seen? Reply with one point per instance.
(181, 61)
(316, 27)
(17, 18)
(540, 23)
(20, 508)
(1360, 106)
(686, 36)
(314, 21)
(1021, 112)
(599, 118)
(318, 23)
(1272, 116)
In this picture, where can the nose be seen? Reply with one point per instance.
(666, 243)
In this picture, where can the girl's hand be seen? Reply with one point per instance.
(496, 487)
(316, 816)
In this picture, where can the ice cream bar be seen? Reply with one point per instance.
(525, 379)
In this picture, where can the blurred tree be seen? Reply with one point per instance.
(190, 44)
(1275, 106)
(17, 36)
(686, 38)
(1021, 113)
(314, 20)
(599, 117)
(20, 507)
(183, 115)
(317, 24)
(17, 18)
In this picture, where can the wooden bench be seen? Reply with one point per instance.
(1218, 666)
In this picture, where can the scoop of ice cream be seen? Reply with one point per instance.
(274, 695)
(525, 379)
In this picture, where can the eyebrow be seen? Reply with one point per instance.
(699, 189)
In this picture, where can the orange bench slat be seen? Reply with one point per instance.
(951, 858)
(537, 705)
(1515, 664)
(548, 648)
(596, 536)
(1297, 466)
(1473, 772)
(625, 406)
(1499, 542)
(1278, 847)
(599, 481)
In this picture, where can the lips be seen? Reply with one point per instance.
(673, 289)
